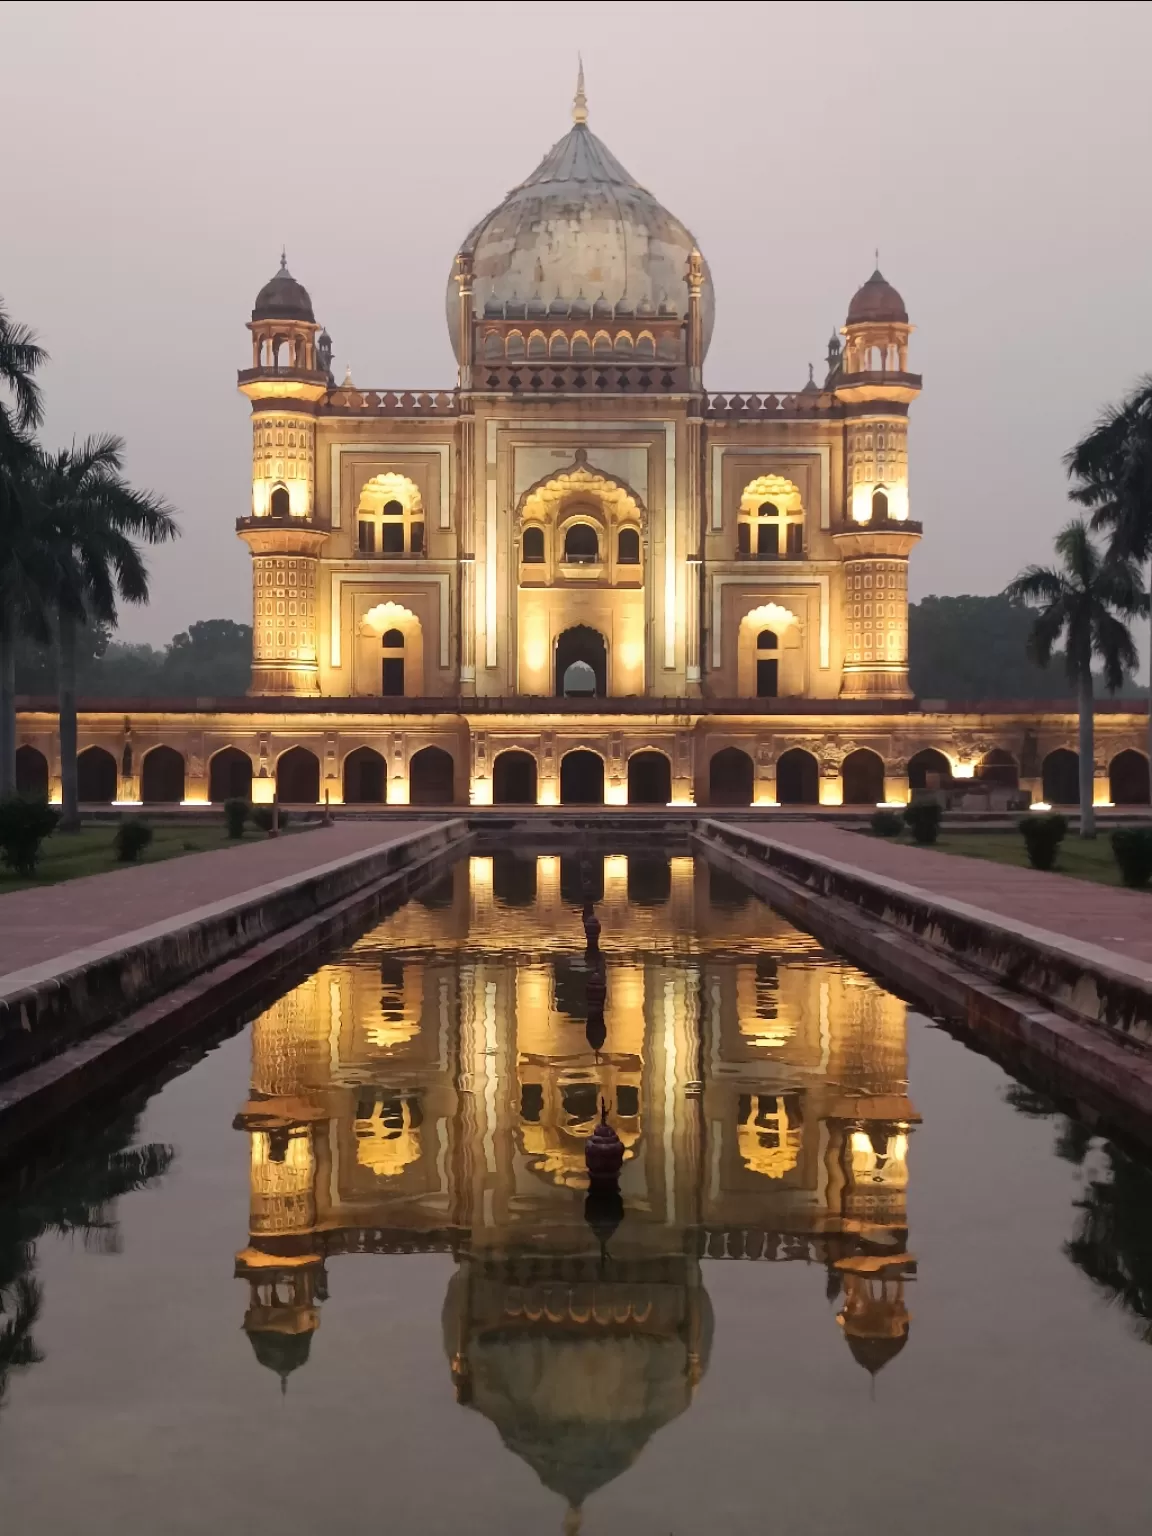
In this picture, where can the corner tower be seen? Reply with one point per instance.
(289, 375)
(872, 382)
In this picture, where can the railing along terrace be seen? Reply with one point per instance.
(606, 378)
(390, 402)
(757, 407)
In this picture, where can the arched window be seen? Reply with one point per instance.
(392, 528)
(767, 529)
(392, 664)
(537, 345)
(493, 347)
(879, 503)
(628, 546)
(514, 347)
(533, 547)
(767, 665)
(279, 504)
(581, 546)
(771, 531)
(581, 346)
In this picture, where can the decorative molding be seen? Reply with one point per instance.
(394, 450)
(822, 582)
(340, 579)
(823, 452)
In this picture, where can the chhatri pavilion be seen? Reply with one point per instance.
(580, 575)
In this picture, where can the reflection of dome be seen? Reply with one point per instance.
(578, 1377)
(876, 300)
(283, 298)
(281, 1352)
(580, 234)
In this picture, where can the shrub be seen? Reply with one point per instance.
(132, 837)
(886, 824)
(235, 815)
(24, 824)
(1042, 837)
(923, 821)
(262, 818)
(1132, 847)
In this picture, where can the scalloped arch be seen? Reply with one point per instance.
(785, 493)
(545, 500)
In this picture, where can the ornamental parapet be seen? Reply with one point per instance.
(760, 406)
(390, 402)
(592, 378)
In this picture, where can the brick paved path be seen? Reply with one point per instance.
(38, 924)
(1114, 918)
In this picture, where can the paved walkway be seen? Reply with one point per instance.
(36, 925)
(1111, 917)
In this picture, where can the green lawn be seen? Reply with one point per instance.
(90, 851)
(1091, 860)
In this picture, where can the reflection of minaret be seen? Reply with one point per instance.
(282, 1314)
(874, 1317)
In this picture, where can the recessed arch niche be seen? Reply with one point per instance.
(770, 619)
(390, 653)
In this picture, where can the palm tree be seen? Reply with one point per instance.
(1112, 471)
(1078, 604)
(22, 560)
(93, 516)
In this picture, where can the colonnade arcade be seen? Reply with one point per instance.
(578, 761)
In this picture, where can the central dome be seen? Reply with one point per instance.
(580, 228)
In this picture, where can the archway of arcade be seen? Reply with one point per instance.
(582, 778)
(514, 778)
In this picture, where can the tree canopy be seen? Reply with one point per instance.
(210, 659)
(969, 647)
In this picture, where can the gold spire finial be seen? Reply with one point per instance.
(580, 104)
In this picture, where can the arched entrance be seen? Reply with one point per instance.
(1061, 777)
(649, 779)
(925, 764)
(999, 767)
(96, 778)
(514, 778)
(431, 777)
(298, 777)
(730, 777)
(862, 777)
(365, 779)
(581, 663)
(797, 778)
(582, 778)
(162, 777)
(230, 775)
(1127, 778)
(31, 773)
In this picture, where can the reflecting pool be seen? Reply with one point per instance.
(345, 1267)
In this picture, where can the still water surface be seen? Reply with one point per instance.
(343, 1272)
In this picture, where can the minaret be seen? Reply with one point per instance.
(288, 376)
(875, 535)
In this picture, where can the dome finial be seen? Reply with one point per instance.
(580, 103)
(283, 258)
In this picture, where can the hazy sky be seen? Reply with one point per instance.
(156, 156)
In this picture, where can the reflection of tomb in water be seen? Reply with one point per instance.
(432, 1092)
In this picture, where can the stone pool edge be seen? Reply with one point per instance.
(111, 1051)
(996, 985)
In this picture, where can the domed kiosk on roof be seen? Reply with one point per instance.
(580, 238)
(876, 301)
(282, 297)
